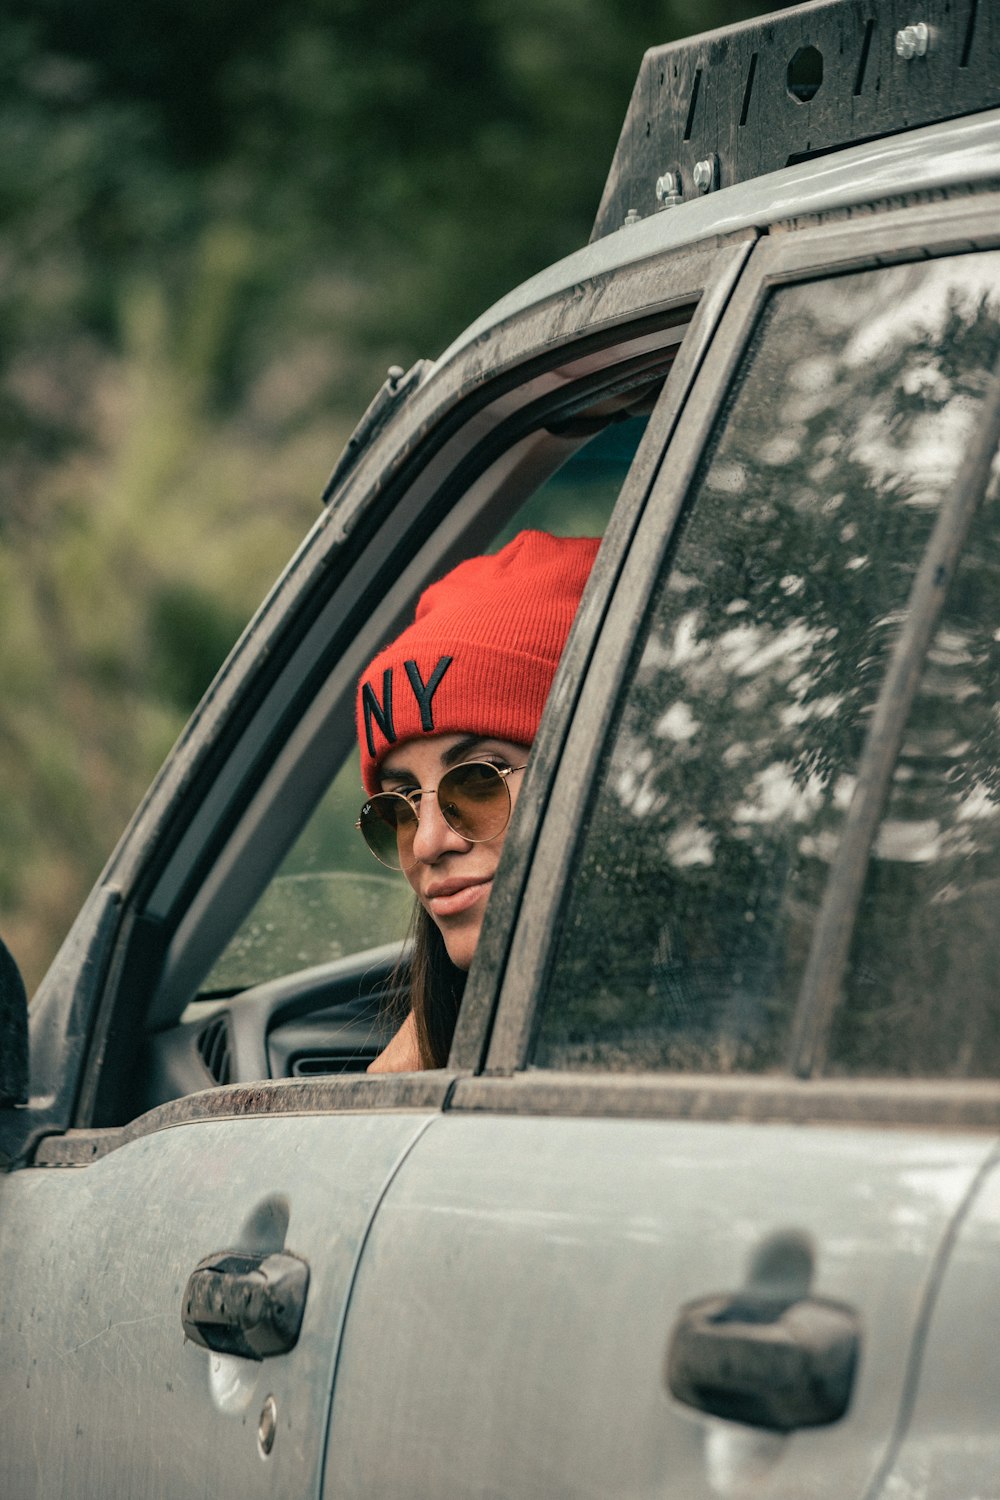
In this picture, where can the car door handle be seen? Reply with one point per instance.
(773, 1362)
(250, 1305)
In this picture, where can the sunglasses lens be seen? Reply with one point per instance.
(388, 824)
(474, 800)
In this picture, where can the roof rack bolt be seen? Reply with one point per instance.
(706, 173)
(913, 41)
(632, 217)
(669, 190)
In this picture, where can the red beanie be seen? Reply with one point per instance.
(481, 653)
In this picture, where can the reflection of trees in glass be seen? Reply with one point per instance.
(733, 760)
(921, 990)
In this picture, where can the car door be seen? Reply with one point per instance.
(177, 1175)
(685, 1234)
(948, 1441)
(103, 1393)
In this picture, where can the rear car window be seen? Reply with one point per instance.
(734, 751)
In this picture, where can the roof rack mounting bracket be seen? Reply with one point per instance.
(798, 84)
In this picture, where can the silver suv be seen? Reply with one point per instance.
(706, 1201)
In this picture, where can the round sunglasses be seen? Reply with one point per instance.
(474, 799)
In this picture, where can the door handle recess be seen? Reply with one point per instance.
(768, 1361)
(250, 1305)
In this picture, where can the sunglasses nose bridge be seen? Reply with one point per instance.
(433, 832)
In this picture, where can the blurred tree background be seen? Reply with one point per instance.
(219, 221)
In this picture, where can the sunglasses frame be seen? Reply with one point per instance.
(412, 800)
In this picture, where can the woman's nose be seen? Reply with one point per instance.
(434, 836)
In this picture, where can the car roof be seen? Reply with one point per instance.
(960, 154)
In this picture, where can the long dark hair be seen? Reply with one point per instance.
(431, 986)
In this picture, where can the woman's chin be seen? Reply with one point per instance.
(461, 956)
(461, 942)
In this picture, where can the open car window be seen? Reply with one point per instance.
(329, 898)
(734, 754)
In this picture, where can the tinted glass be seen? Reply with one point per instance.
(922, 991)
(725, 783)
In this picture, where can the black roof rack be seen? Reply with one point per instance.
(732, 104)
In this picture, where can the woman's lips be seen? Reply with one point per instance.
(446, 898)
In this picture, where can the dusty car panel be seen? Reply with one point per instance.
(506, 1259)
(947, 1439)
(545, 1263)
(102, 1393)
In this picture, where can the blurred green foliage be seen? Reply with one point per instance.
(219, 220)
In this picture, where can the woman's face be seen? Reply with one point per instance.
(452, 877)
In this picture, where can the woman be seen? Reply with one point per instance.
(446, 718)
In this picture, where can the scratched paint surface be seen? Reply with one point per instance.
(100, 1394)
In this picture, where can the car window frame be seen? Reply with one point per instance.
(787, 255)
(588, 321)
(366, 605)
